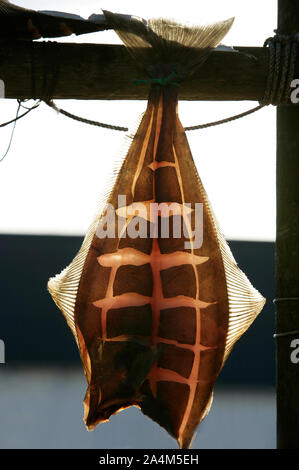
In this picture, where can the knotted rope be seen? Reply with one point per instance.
(282, 59)
(163, 81)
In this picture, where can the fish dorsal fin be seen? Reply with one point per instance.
(245, 302)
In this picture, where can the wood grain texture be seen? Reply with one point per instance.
(287, 252)
(106, 72)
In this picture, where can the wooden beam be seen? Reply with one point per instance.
(287, 253)
(106, 72)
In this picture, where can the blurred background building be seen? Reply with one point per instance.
(42, 384)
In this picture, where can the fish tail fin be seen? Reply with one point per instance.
(162, 41)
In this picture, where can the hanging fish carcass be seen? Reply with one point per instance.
(154, 297)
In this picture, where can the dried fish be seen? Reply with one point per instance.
(154, 297)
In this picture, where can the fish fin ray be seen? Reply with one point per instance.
(164, 41)
(245, 302)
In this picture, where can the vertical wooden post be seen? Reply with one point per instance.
(287, 252)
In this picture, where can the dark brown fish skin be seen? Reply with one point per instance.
(168, 347)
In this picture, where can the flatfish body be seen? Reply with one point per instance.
(154, 297)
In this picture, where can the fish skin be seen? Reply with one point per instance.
(116, 364)
(155, 319)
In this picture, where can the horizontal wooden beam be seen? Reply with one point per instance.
(106, 72)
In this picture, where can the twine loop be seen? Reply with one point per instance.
(163, 81)
(282, 59)
(283, 51)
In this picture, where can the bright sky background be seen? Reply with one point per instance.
(52, 178)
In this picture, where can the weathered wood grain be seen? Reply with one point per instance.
(106, 72)
(287, 252)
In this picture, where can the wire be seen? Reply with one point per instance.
(12, 133)
(22, 115)
(15, 122)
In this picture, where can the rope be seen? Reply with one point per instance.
(85, 121)
(125, 129)
(282, 60)
(224, 121)
(163, 81)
